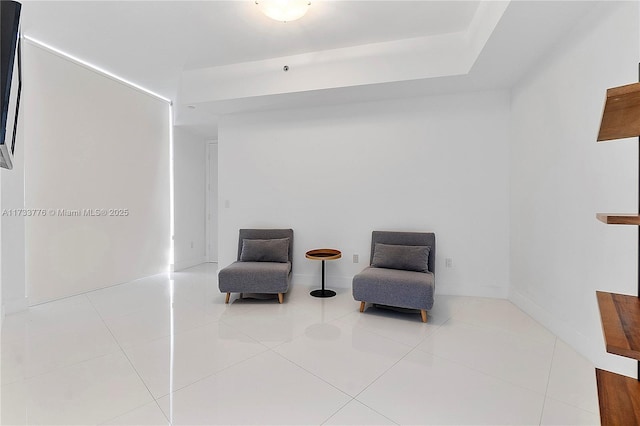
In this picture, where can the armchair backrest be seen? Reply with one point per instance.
(407, 239)
(266, 234)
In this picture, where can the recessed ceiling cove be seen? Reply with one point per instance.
(227, 56)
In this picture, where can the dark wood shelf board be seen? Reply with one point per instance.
(618, 395)
(619, 218)
(619, 398)
(620, 316)
(621, 115)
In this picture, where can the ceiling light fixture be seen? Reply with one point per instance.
(284, 10)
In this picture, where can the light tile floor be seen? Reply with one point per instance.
(167, 350)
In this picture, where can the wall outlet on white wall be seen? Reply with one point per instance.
(448, 262)
(356, 258)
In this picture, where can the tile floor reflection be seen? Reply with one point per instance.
(167, 350)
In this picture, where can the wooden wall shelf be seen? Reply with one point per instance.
(620, 315)
(619, 398)
(619, 218)
(621, 116)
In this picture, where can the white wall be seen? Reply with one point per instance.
(2, 311)
(560, 178)
(189, 165)
(13, 229)
(335, 174)
(92, 143)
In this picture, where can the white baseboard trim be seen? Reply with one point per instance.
(490, 291)
(12, 306)
(185, 264)
(344, 282)
(590, 347)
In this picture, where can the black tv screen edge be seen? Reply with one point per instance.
(10, 79)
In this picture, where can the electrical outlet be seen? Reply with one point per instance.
(448, 262)
(191, 244)
(356, 258)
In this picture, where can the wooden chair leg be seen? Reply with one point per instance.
(280, 297)
(362, 306)
(227, 299)
(424, 315)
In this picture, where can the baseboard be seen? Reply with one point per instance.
(490, 291)
(12, 306)
(590, 347)
(184, 264)
(344, 282)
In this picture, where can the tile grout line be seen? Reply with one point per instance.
(473, 368)
(132, 366)
(159, 338)
(498, 329)
(413, 348)
(307, 371)
(337, 411)
(266, 349)
(376, 411)
(274, 351)
(484, 373)
(333, 386)
(210, 375)
(62, 366)
(437, 327)
(378, 378)
(546, 389)
(572, 406)
(340, 390)
(95, 290)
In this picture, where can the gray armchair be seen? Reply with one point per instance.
(263, 266)
(401, 271)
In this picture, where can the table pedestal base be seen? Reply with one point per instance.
(323, 293)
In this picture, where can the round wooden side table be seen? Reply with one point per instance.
(323, 254)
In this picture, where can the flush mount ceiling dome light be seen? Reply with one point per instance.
(284, 10)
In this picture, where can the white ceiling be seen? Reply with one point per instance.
(153, 43)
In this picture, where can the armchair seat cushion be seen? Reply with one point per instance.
(263, 264)
(255, 277)
(394, 287)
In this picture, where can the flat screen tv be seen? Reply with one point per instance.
(10, 79)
